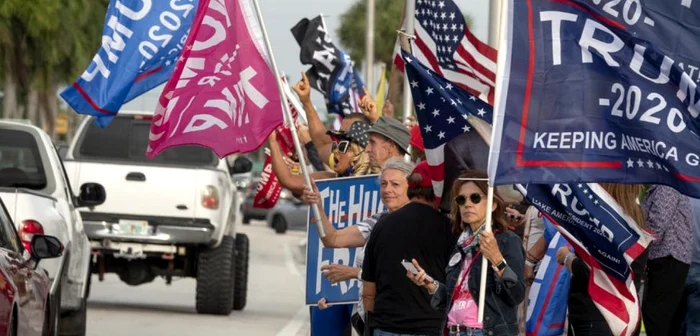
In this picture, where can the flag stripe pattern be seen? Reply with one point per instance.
(444, 42)
(441, 108)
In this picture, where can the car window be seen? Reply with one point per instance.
(20, 161)
(126, 139)
(8, 234)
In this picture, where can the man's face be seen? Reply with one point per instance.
(378, 149)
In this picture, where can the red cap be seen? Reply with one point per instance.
(422, 169)
(417, 138)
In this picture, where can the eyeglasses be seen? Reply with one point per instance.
(475, 198)
(341, 146)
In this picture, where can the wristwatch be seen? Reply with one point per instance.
(437, 284)
(500, 266)
(359, 275)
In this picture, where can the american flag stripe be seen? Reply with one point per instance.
(445, 44)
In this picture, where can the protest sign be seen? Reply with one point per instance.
(599, 91)
(346, 201)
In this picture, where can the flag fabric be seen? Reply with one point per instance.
(444, 43)
(268, 190)
(332, 71)
(380, 96)
(141, 43)
(549, 292)
(590, 94)
(441, 108)
(223, 94)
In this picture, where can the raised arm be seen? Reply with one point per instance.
(351, 236)
(317, 129)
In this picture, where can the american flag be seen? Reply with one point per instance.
(444, 42)
(442, 110)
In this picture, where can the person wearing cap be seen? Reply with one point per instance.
(388, 138)
(349, 154)
(393, 304)
(319, 137)
(457, 298)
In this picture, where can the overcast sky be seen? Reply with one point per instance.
(281, 15)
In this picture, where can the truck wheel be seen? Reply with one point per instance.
(215, 279)
(279, 224)
(246, 220)
(240, 289)
(74, 323)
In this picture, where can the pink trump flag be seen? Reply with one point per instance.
(223, 93)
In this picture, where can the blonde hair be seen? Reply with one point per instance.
(360, 161)
(627, 196)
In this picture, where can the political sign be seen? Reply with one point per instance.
(346, 201)
(599, 91)
(141, 43)
(549, 292)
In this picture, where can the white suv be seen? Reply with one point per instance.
(170, 216)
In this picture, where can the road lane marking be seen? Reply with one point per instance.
(300, 319)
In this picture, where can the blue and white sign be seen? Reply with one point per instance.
(141, 43)
(346, 201)
(599, 92)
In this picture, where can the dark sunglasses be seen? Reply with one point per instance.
(341, 146)
(461, 200)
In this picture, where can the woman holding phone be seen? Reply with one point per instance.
(459, 295)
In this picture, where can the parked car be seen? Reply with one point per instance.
(247, 207)
(170, 216)
(288, 213)
(35, 187)
(25, 307)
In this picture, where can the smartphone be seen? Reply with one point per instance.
(411, 268)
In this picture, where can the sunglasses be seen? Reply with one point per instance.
(341, 146)
(475, 198)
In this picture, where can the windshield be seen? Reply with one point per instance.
(126, 139)
(20, 161)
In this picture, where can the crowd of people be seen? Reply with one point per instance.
(445, 241)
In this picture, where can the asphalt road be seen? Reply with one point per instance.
(275, 298)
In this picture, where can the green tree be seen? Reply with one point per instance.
(44, 44)
(388, 15)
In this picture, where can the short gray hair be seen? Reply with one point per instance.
(398, 163)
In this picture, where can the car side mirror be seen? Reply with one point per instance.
(241, 165)
(45, 247)
(91, 194)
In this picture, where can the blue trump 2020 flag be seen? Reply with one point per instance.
(599, 92)
(549, 293)
(141, 43)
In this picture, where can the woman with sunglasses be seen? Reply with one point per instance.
(349, 158)
(505, 287)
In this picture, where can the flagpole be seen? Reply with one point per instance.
(288, 114)
(499, 13)
(409, 18)
(369, 44)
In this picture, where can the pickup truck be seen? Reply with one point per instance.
(35, 188)
(170, 216)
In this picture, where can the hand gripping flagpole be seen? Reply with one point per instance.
(288, 114)
(501, 15)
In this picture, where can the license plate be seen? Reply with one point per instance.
(134, 227)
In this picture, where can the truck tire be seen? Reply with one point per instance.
(74, 323)
(279, 224)
(215, 277)
(240, 289)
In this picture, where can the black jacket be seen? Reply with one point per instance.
(503, 295)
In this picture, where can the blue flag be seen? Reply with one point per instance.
(599, 92)
(141, 43)
(549, 293)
